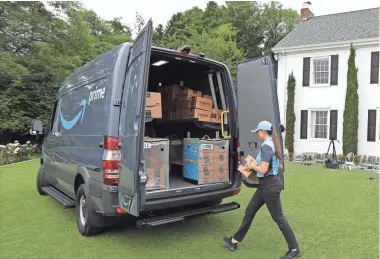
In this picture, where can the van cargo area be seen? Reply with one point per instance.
(183, 146)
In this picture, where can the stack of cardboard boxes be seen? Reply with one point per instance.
(205, 161)
(170, 96)
(183, 103)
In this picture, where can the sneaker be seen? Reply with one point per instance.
(292, 254)
(230, 245)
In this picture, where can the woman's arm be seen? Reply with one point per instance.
(262, 169)
(266, 157)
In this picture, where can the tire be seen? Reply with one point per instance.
(89, 222)
(41, 180)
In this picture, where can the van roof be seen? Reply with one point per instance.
(104, 64)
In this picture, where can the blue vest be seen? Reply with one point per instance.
(274, 163)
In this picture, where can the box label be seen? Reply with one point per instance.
(147, 145)
(206, 146)
(176, 142)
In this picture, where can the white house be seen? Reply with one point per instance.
(317, 52)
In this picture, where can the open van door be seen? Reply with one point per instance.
(257, 101)
(132, 175)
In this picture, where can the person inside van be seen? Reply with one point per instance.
(267, 165)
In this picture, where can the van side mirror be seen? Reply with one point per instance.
(37, 127)
(282, 128)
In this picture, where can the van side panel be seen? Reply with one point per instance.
(85, 112)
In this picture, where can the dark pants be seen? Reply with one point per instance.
(268, 193)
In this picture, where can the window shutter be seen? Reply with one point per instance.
(374, 67)
(304, 124)
(334, 70)
(371, 130)
(306, 72)
(333, 124)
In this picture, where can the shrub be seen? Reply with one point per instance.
(351, 110)
(291, 156)
(357, 160)
(290, 115)
(341, 158)
(15, 152)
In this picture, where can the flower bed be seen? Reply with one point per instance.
(15, 152)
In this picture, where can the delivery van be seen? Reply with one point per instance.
(153, 133)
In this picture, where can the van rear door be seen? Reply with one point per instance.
(257, 101)
(132, 174)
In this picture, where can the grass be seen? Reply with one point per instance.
(334, 214)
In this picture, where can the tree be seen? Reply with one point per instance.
(290, 115)
(139, 23)
(276, 22)
(351, 107)
(42, 43)
(245, 17)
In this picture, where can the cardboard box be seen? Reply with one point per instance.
(221, 176)
(203, 160)
(205, 180)
(216, 115)
(153, 105)
(187, 94)
(201, 115)
(156, 153)
(170, 95)
(166, 115)
(196, 103)
(207, 96)
(251, 175)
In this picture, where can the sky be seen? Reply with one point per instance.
(162, 10)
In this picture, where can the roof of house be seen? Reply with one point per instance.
(349, 26)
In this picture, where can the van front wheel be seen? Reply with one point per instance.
(88, 221)
(41, 180)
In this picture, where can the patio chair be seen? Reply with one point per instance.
(320, 158)
(298, 158)
(373, 168)
(362, 163)
(370, 163)
(286, 154)
(309, 159)
(349, 163)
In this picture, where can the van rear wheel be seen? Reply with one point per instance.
(89, 222)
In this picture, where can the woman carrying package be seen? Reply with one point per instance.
(267, 164)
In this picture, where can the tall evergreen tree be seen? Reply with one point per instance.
(290, 115)
(350, 116)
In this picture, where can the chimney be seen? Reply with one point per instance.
(306, 13)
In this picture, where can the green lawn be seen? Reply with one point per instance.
(334, 214)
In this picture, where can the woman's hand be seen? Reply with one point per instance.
(249, 168)
(253, 161)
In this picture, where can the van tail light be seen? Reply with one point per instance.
(236, 192)
(238, 151)
(120, 211)
(111, 161)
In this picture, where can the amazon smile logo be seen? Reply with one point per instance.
(69, 124)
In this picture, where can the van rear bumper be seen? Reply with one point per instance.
(179, 201)
(182, 215)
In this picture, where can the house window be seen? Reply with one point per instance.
(319, 124)
(321, 71)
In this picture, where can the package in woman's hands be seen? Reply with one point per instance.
(249, 160)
